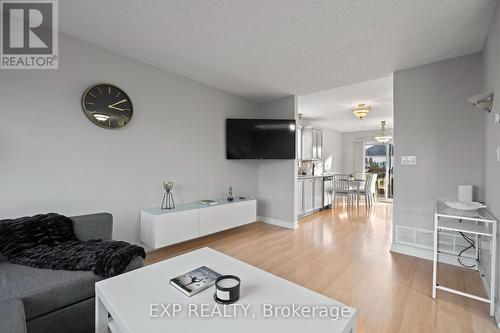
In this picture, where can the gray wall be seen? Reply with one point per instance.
(332, 148)
(54, 159)
(434, 121)
(348, 140)
(491, 70)
(278, 179)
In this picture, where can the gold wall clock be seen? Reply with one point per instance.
(107, 106)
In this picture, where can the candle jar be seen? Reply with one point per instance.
(227, 289)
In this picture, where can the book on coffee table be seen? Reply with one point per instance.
(207, 202)
(195, 281)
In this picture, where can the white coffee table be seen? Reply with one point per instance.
(124, 302)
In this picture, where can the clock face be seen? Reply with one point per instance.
(107, 106)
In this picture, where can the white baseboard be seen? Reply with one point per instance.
(427, 254)
(411, 251)
(279, 223)
(497, 314)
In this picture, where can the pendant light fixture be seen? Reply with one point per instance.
(361, 111)
(383, 136)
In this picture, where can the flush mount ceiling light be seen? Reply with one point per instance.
(383, 136)
(361, 110)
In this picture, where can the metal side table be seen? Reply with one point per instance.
(479, 223)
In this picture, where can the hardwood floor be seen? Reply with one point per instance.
(344, 254)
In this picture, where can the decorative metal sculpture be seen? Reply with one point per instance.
(168, 197)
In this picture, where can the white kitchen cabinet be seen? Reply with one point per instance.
(318, 193)
(308, 195)
(312, 144)
(300, 197)
(299, 142)
(307, 144)
(319, 143)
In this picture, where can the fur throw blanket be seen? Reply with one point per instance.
(48, 241)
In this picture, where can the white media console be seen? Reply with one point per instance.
(160, 228)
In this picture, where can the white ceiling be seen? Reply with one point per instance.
(263, 49)
(332, 108)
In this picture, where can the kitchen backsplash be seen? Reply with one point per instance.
(311, 167)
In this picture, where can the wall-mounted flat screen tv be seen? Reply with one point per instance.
(260, 139)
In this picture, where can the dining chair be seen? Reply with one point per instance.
(359, 175)
(341, 176)
(373, 189)
(366, 191)
(342, 187)
(380, 185)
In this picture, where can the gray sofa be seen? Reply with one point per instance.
(44, 300)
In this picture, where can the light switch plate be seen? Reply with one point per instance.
(497, 118)
(408, 160)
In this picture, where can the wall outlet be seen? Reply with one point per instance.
(498, 153)
(497, 118)
(408, 160)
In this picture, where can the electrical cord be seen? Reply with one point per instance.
(471, 245)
